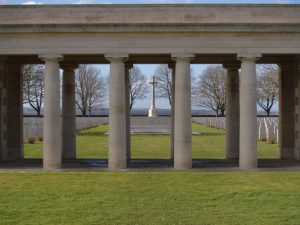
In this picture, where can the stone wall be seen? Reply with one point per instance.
(33, 126)
(267, 127)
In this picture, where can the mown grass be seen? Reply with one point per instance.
(150, 198)
(93, 143)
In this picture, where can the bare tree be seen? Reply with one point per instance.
(138, 85)
(33, 86)
(209, 91)
(163, 77)
(90, 88)
(267, 87)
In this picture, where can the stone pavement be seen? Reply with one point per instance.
(147, 165)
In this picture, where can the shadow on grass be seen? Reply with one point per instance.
(92, 133)
(211, 134)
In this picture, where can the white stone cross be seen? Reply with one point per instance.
(152, 110)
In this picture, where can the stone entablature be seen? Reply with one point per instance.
(150, 13)
(149, 29)
(149, 18)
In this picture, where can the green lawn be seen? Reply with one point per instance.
(92, 143)
(271, 198)
(150, 198)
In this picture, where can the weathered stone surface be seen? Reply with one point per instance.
(149, 13)
(148, 125)
(205, 29)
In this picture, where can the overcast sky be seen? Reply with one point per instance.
(148, 70)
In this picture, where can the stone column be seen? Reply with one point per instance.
(52, 120)
(183, 123)
(128, 66)
(14, 92)
(248, 112)
(232, 111)
(296, 154)
(117, 114)
(287, 85)
(68, 111)
(172, 67)
(3, 111)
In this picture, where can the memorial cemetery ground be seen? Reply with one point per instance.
(92, 143)
(77, 198)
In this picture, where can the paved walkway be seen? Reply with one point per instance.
(98, 165)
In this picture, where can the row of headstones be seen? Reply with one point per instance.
(33, 126)
(268, 129)
(267, 126)
(215, 122)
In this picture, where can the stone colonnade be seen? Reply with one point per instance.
(248, 124)
(168, 34)
(233, 111)
(241, 131)
(68, 111)
(52, 154)
(11, 113)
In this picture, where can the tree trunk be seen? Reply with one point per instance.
(130, 106)
(268, 112)
(222, 112)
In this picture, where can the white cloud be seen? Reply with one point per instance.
(80, 2)
(3, 2)
(32, 3)
(189, 1)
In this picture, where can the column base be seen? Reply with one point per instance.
(247, 165)
(182, 165)
(116, 167)
(51, 166)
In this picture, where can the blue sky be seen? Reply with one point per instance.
(148, 70)
(146, 1)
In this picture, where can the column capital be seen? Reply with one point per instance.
(116, 57)
(51, 57)
(182, 57)
(68, 66)
(232, 65)
(248, 56)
